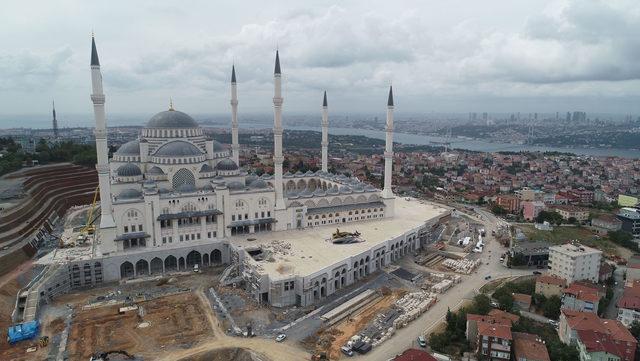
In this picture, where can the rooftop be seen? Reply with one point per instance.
(529, 347)
(495, 330)
(311, 250)
(573, 250)
(552, 280)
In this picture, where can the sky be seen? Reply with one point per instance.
(440, 56)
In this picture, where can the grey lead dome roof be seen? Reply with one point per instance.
(226, 164)
(177, 148)
(129, 170)
(129, 148)
(171, 119)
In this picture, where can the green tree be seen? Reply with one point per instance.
(482, 304)
(551, 307)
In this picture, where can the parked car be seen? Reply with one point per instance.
(346, 350)
(281, 337)
(422, 341)
(537, 272)
(487, 277)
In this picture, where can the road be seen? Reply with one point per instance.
(611, 311)
(453, 299)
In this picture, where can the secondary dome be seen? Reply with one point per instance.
(226, 164)
(171, 119)
(177, 148)
(129, 170)
(129, 148)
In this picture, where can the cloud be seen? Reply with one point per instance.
(27, 71)
(590, 41)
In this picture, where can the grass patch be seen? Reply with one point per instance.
(563, 234)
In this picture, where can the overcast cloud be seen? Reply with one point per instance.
(453, 56)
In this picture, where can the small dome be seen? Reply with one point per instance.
(206, 168)
(266, 176)
(319, 192)
(250, 178)
(226, 164)
(333, 190)
(177, 148)
(186, 188)
(155, 170)
(370, 188)
(358, 188)
(292, 194)
(258, 184)
(218, 147)
(306, 193)
(288, 175)
(130, 193)
(129, 170)
(235, 185)
(171, 119)
(129, 148)
(309, 173)
(345, 190)
(208, 187)
(298, 174)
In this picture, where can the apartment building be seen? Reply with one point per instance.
(575, 262)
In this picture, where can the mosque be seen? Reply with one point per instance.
(175, 198)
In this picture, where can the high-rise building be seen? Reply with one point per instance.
(575, 262)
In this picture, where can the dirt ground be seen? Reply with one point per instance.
(173, 321)
(340, 333)
(228, 354)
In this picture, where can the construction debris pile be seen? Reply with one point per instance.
(464, 266)
(439, 282)
(413, 305)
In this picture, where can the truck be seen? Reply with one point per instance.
(23, 331)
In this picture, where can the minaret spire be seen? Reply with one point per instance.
(235, 146)
(387, 193)
(107, 224)
(277, 134)
(55, 121)
(325, 133)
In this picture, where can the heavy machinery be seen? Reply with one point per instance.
(89, 227)
(345, 237)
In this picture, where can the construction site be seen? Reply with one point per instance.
(187, 314)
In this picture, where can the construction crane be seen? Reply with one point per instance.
(89, 228)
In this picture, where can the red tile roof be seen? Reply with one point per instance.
(582, 292)
(529, 347)
(522, 298)
(413, 354)
(552, 280)
(502, 314)
(494, 330)
(489, 319)
(595, 341)
(590, 321)
(631, 297)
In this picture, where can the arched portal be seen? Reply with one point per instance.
(126, 270)
(170, 264)
(142, 267)
(156, 266)
(194, 258)
(216, 257)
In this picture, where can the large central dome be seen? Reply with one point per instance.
(171, 119)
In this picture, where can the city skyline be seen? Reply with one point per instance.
(542, 57)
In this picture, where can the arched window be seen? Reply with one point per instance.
(183, 177)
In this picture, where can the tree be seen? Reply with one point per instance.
(634, 328)
(551, 307)
(505, 300)
(482, 304)
(498, 210)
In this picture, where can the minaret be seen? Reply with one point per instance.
(388, 151)
(325, 132)
(277, 133)
(98, 98)
(55, 121)
(235, 146)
